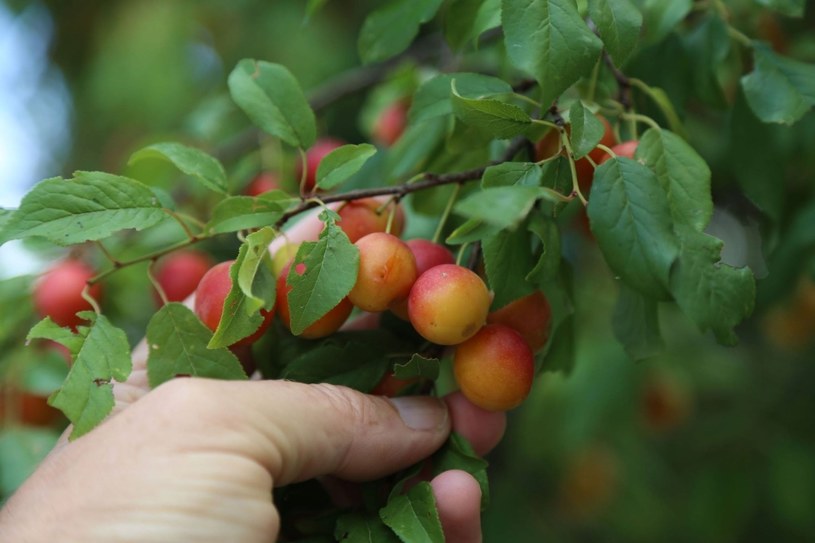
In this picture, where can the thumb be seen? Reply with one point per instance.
(298, 431)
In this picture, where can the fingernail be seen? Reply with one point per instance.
(421, 413)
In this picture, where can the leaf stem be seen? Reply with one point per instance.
(86, 295)
(446, 214)
(107, 254)
(634, 117)
(181, 222)
(564, 137)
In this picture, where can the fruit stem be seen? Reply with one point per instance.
(443, 220)
(393, 203)
(460, 255)
(564, 137)
(634, 117)
(180, 221)
(86, 294)
(107, 254)
(303, 173)
(156, 284)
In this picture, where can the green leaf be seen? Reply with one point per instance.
(636, 324)
(708, 46)
(272, 98)
(363, 528)
(665, 105)
(508, 259)
(512, 173)
(178, 346)
(557, 175)
(492, 117)
(559, 352)
(433, 99)
(354, 364)
(550, 41)
(48, 329)
(341, 163)
(245, 212)
(390, 29)
(188, 160)
(91, 206)
(619, 23)
(313, 7)
(466, 20)
(631, 220)
(587, 130)
(86, 396)
(413, 516)
(790, 8)
(714, 295)
(548, 265)
(660, 17)
(418, 366)
(415, 148)
(457, 453)
(683, 174)
(332, 264)
(779, 89)
(21, 451)
(470, 231)
(503, 207)
(253, 289)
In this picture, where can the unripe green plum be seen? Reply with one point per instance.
(322, 327)
(448, 304)
(495, 368)
(58, 293)
(530, 316)
(387, 271)
(358, 218)
(210, 296)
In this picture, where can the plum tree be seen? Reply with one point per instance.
(314, 156)
(325, 325)
(530, 316)
(179, 273)
(391, 123)
(358, 218)
(210, 296)
(494, 368)
(448, 304)
(58, 293)
(263, 182)
(387, 271)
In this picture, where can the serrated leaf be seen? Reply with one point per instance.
(779, 89)
(389, 30)
(619, 23)
(253, 289)
(548, 265)
(245, 212)
(508, 259)
(714, 295)
(189, 160)
(272, 98)
(331, 270)
(498, 119)
(512, 173)
(363, 528)
(341, 163)
(433, 97)
(550, 41)
(354, 364)
(683, 174)
(503, 207)
(21, 451)
(457, 453)
(587, 130)
(413, 516)
(466, 20)
(790, 8)
(177, 342)
(636, 324)
(91, 206)
(418, 366)
(48, 329)
(631, 220)
(86, 396)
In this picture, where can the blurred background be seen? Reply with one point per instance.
(703, 443)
